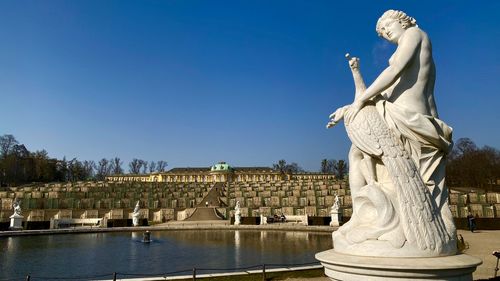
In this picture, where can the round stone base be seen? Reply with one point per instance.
(354, 268)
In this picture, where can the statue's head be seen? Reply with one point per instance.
(392, 23)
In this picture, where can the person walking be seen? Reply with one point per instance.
(471, 221)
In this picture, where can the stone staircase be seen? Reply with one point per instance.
(213, 197)
(203, 214)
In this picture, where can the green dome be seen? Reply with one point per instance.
(221, 166)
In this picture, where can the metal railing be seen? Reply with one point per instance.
(194, 272)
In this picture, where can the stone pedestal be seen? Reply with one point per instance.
(16, 222)
(237, 219)
(353, 268)
(135, 220)
(263, 220)
(335, 215)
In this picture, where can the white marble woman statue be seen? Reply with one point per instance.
(397, 160)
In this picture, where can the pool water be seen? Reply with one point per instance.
(92, 255)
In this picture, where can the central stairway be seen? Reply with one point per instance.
(204, 213)
(212, 196)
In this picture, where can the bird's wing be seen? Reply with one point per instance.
(422, 224)
(361, 135)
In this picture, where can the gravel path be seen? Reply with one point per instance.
(482, 243)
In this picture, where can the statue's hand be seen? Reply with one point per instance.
(337, 116)
(354, 108)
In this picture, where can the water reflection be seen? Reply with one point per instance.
(237, 250)
(10, 244)
(103, 253)
(263, 235)
(136, 235)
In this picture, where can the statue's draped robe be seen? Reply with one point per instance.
(427, 139)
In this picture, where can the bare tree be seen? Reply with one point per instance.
(327, 166)
(340, 169)
(7, 143)
(116, 166)
(20, 151)
(103, 169)
(465, 145)
(62, 170)
(324, 166)
(88, 168)
(135, 166)
(144, 165)
(280, 166)
(161, 165)
(73, 170)
(152, 167)
(283, 167)
(43, 170)
(470, 166)
(331, 164)
(294, 168)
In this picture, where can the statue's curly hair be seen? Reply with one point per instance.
(405, 20)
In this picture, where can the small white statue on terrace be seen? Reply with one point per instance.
(17, 208)
(334, 212)
(336, 204)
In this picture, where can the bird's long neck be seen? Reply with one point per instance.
(359, 84)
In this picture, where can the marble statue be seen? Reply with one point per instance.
(397, 157)
(16, 220)
(336, 204)
(237, 214)
(17, 208)
(335, 212)
(136, 215)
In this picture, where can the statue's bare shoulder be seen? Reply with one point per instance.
(408, 46)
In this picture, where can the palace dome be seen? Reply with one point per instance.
(221, 167)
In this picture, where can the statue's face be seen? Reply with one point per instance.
(391, 30)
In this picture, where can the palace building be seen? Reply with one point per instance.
(220, 172)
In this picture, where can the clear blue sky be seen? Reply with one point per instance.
(247, 82)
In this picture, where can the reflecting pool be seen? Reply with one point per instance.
(93, 254)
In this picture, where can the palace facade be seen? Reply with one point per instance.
(220, 172)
